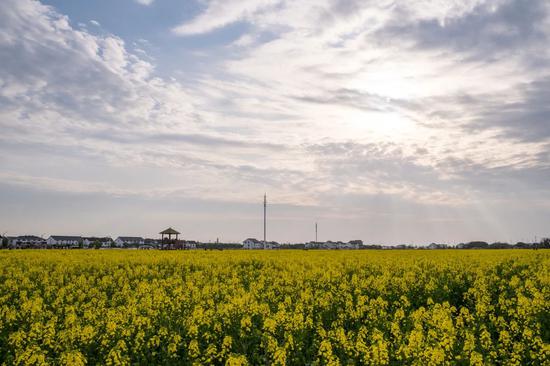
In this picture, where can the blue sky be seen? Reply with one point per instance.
(392, 122)
(174, 56)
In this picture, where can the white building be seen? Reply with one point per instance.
(151, 243)
(272, 245)
(125, 241)
(348, 245)
(252, 243)
(26, 241)
(104, 242)
(12, 241)
(64, 240)
(353, 244)
(313, 245)
(190, 244)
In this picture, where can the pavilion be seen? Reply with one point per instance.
(169, 232)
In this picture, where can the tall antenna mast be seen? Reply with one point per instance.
(316, 232)
(265, 209)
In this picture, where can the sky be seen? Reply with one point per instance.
(387, 121)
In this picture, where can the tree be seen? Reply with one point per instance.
(476, 245)
(5, 242)
(499, 245)
(544, 244)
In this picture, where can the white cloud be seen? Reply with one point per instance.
(145, 2)
(220, 13)
(334, 73)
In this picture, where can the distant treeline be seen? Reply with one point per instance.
(543, 244)
(303, 246)
(219, 246)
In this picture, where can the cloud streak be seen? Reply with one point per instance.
(145, 2)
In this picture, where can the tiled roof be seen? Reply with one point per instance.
(95, 238)
(29, 237)
(169, 231)
(253, 240)
(130, 238)
(65, 237)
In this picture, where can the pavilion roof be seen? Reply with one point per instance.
(169, 231)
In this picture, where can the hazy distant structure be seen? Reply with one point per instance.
(253, 243)
(265, 216)
(316, 232)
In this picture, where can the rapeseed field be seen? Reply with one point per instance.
(116, 307)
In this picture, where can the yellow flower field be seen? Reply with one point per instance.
(442, 307)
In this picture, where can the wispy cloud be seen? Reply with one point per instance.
(221, 13)
(145, 2)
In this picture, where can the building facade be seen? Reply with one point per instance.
(252, 243)
(64, 240)
(353, 244)
(128, 241)
(104, 242)
(26, 241)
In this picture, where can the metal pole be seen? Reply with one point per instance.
(316, 232)
(265, 208)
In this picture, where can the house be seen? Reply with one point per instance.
(313, 245)
(438, 246)
(328, 245)
(353, 244)
(26, 241)
(272, 245)
(348, 245)
(64, 240)
(126, 241)
(190, 244)
(153, 243)
(332, 245)
(104, 242)
(252, 243)
(12, 241)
